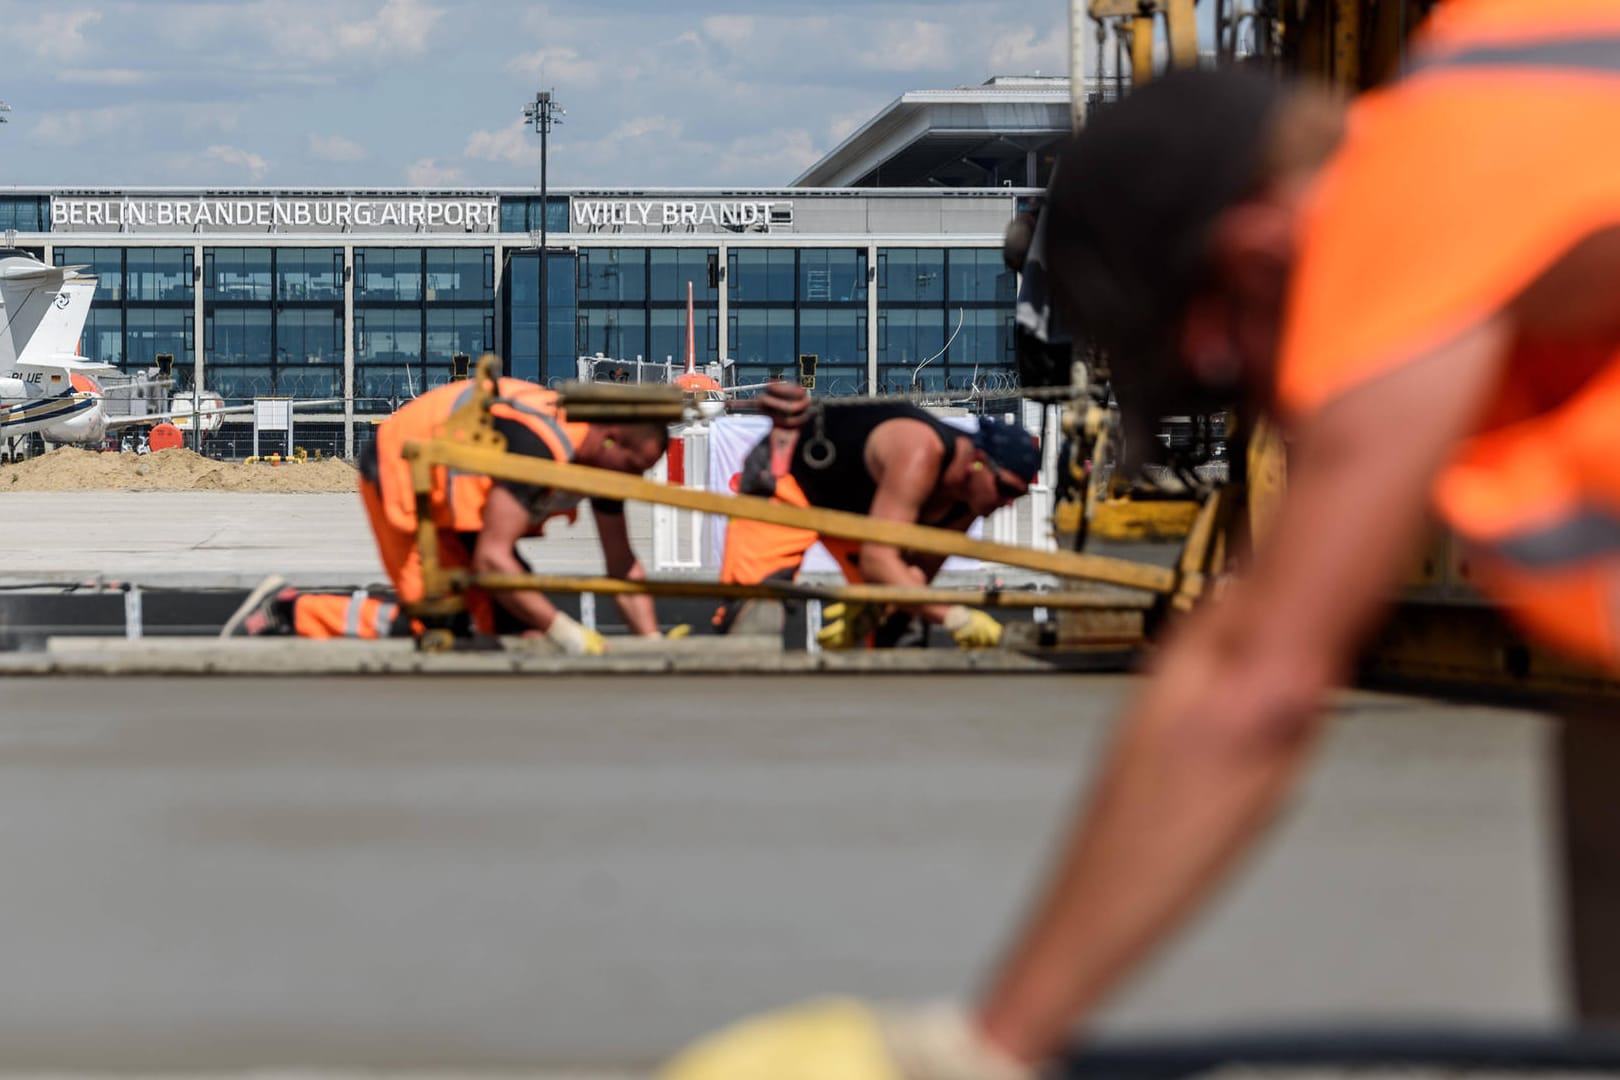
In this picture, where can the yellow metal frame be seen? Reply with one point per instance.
(469, 443)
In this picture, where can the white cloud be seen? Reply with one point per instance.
(401, 27)
(912, 45)
(642, 126)
(335, 148)
(840, 126)
(556, 64)
(427, 172)
(107, 124)
(55, 36)
(237, 158)
(308, 33)
(104, 76)
(785, 153)
(514, 144)
(199, 119)
(1023, 51)
(732, 31)
(70, 127)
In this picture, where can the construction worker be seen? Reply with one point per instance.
(1428, 307)
(890, 461)
(479, 520)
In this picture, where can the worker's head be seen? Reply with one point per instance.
(627, 448)
(1004, 463)
(1171, 233)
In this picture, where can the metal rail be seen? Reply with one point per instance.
(605, 483)
(863, 594)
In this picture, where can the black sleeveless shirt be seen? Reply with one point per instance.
(846, 484)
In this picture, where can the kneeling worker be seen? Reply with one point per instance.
(480, 520)
(893, 462)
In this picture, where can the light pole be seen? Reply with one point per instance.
(541, 113)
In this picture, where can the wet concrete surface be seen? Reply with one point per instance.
(494, 873)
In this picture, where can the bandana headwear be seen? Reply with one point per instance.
(1010, 447)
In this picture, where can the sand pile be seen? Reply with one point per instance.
(72, 469)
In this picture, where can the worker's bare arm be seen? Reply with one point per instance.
(614, 532)
(904, 458)
(1217, 735)
(506, 521)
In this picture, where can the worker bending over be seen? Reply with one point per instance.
(479, 522)
(891, 462)
(1432, 316)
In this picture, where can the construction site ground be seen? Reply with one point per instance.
(526, 873)
(568, 868)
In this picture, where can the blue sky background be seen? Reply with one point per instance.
(391, 93)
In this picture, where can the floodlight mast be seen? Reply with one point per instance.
(541, 114)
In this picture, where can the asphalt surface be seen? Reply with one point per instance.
(500, 873)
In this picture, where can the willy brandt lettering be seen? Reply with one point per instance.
(670, 213)
(264, 213)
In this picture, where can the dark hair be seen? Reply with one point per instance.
(1130, 208)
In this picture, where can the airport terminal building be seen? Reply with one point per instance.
(365, 295)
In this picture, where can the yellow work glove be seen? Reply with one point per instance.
(573, 638)
(846, 626)
(841, 1039)
(972, 628)
(674, 633)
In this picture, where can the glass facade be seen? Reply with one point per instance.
(142, 306)
(522, 214)
(621, 302)
(883, 304)
(414, 308)
(787, 302)
(945, 315)
(945, 318)
(273, 321)
(25, 213)
(273, 316)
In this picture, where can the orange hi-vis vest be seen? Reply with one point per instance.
(458, 497)
(1457, 187)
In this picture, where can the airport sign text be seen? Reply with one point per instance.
(338, 215)
(591, 214)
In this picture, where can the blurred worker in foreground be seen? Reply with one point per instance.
(479, 521)
(1432, 316)
(892, 462)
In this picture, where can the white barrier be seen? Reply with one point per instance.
(680, 536)
(713, 453)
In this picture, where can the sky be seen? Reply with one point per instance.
(409, 93)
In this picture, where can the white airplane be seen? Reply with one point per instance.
(45, 386)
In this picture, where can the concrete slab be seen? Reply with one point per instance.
(506, 874)
(205, 539)
(230, 540)
(702, 656)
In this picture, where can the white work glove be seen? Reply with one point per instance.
(972, 628)
(847, 626)
(842, 1039)
(574, 639)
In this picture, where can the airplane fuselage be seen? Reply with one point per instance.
(72, 414)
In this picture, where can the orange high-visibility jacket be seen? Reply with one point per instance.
(1456, 187)
(458, 498)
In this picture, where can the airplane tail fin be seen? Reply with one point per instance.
(43, 310)
(691, 340)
